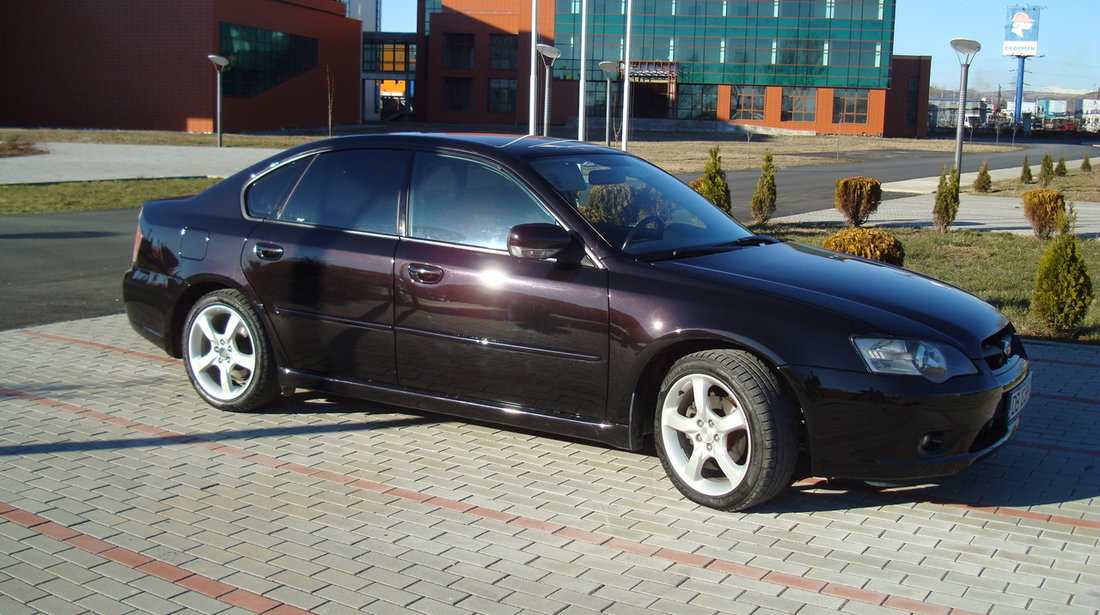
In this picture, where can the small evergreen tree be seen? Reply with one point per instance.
(1060, 168)
(857, 198)
(947, 199)
(1063, 288)
(1086, 166)
(1046, 171)
(1025, 172)
(764, 198)
(714, 185)
(983, 183)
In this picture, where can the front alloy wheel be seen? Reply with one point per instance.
(726, 432)
(226, 353)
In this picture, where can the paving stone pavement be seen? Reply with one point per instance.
(122, 493)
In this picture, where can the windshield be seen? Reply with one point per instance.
(637, 207)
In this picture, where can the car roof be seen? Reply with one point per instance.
(520, 146)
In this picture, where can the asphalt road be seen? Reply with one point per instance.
(68, 266)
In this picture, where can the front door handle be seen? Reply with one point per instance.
(425, 274)
(268, 252)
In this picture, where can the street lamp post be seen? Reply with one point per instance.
(220, 62)
(610, 69)
(966, 49)
(549, 54)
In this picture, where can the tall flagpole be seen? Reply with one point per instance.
(533, 95)
(626, 74)
(582, 111)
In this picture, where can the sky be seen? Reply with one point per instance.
(1069, 41)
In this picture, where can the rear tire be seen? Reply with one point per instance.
(227, 354)
(726, 431)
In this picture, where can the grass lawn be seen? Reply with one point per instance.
(1076, 185)
(998, 267)
(83, 196)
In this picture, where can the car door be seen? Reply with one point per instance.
(475, 323)
(321, 260)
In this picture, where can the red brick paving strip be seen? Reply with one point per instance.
(240, 597)
(173, 574)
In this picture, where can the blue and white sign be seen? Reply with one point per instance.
(1022, 31)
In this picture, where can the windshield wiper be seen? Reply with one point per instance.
(751, 240)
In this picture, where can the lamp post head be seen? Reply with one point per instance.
(548, 53)
(220, 62)
(966, 49)
(609, 66)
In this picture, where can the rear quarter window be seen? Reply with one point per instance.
(266, 194)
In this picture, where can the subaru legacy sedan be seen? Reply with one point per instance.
(577, 290)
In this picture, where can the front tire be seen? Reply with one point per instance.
(726, 432)
(226, 351)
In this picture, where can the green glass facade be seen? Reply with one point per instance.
(795, 43)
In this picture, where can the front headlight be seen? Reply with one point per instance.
(936, 362)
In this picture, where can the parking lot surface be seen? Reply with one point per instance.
(121, 492)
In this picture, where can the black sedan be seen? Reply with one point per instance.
(573, 289)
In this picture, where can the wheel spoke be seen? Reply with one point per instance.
(733, 422)
(694, 467)
(733, 470)
(700, 387)
(679, 422)
(225, 379)
(232, 325)
(202, 362)
(244, 361)
(207, 328)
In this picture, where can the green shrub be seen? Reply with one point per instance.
(1046, 171)
(1086, 165)
(869, 243)
(857, 198)
(947, 199)
(1044, 208)
(1025, 172)
(764, 197)
(1060, 168)
(1063, 289)
(713, 184)
(983, 182)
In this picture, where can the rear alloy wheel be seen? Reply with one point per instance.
(726, 432)
(227, 354)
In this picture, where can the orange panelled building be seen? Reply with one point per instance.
(138, 64)
(823, 66)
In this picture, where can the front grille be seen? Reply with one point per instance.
(999, 350)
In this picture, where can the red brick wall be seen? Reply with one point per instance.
(898, 122)
(142, 65)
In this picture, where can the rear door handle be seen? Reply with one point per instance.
(268, 252)
(425, 274)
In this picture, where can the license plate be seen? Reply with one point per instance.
(1017, 399)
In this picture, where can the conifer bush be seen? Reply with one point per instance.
(1086, 165)
(947, 199)
(857, 198)
(869, 243)
(983, 182)
(713, 184)
(1043, 208)
(1025, 172)
(764, 197)
(1046, 171)
(1060, 168)
(1063, 288)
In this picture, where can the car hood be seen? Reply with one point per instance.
(871, 292)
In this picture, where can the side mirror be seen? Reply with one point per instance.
(538, 240)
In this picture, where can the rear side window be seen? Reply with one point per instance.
(268, 193)
(350, 189)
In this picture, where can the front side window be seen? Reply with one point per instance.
(799, 104)
(350, 189)
(636, 207)
(850, 106)
(465, 202)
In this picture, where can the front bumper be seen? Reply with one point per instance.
(902, 428)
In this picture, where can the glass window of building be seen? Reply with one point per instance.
(458, 50)
(262, 59)
(799, 105)
(850, 106)
(502, 95)
(502, 51)
(389, 56)
(458, 94)
(697, 101)
(747, 102)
